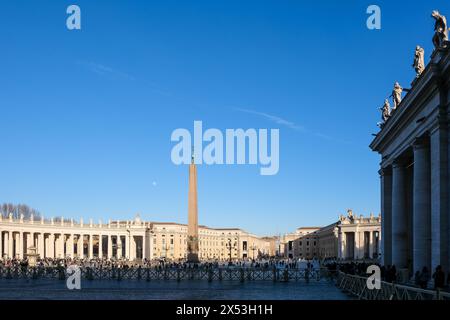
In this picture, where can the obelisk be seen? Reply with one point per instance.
(192, 241)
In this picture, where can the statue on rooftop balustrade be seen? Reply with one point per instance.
(350, 214)
(440, 30)
(419, 61)
(385, 112)
(397, 94)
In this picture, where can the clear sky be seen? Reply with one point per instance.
(86, 116)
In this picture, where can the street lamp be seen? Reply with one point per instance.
(229, 246)
(253, 248)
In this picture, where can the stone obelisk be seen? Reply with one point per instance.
(192, 241)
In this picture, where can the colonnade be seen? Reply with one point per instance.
(72, 241)
(414, 191)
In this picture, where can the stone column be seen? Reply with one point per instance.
(91, 246)
(1, 244)
(62, 242)
(21, 255)
(80, 246)
(29, 242)
(356, 245)
(10, 244)
(100, 246)
(109, 253)
(47, 245)
(439, 197)
(371, 244)
(57, 244)
(422, 207)
(41, 245)
(144, 248)
(6, 244)
(127, 246)
(132, 248)
(386, 216)
(341, 245)
(119, 247)
(51, 246)
(399, 217)
(69, 245)
(17, 245)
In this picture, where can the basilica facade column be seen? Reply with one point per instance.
(439, 196)
(421, 207)
(399, 216)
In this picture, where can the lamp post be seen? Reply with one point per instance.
(229, 246)
(253, 248)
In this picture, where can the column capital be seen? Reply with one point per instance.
(421, 143)
(386, 171)
(398, 163)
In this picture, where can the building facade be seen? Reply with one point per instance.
(132, 240)
(300, 244)
(350, 238)
(414, 147)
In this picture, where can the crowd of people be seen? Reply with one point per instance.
(389, 273)
(422, 279)
(266, 263)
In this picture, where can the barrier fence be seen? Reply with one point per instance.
(357, 286)
(178, 274)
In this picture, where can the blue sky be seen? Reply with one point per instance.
(86, 116)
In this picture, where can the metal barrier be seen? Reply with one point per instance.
(178, 274)
(357, 286)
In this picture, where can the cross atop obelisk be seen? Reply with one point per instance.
(192, 240)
